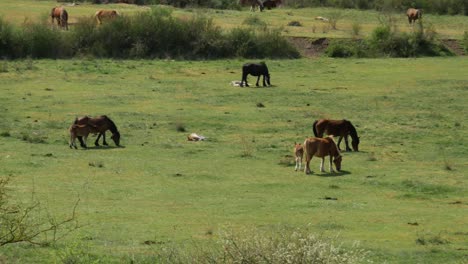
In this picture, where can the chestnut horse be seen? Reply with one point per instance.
(413, 14)
(341, 128)
(79, 131)
(61, 15)
(322, 147)
(105, 15)
(298, 154)
(100, 125)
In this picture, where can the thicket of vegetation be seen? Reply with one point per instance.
(442, 7)
(387, 41)
(153, 34)
(282, 245)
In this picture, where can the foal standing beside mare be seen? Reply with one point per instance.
(322, 147)
(341, 128)
(61, 15)
(298, 154)
(78, 131)
(255, 69)
(100, 125)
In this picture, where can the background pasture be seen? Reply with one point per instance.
(403, 196)
(449, 27)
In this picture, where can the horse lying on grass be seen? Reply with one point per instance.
(322, 147)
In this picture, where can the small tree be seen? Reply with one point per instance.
(20, 223)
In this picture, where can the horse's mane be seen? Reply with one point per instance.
(352, 130)
(112, 126)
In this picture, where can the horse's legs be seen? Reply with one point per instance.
(258, 79)
(331, 164)
(84, 139)
(244, 79)
(346, 142)
(104, 139)
(307, 166)
(96, 143)
(321, 164)
(80, 138)
(339, 142)
(298, 163)
(264, 84)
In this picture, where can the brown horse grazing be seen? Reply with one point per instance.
(298, 154)
(61, 15)
(413, 14)
(105, 15)
(100, 125)
(80, 131)
(253, 4)
(322, 147)
(341, 128)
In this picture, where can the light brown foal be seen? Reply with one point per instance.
(322, 147)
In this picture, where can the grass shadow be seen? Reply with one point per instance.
(335, 174)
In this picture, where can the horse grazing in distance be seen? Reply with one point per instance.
(341, 128)
(322, 147)
(298, 154)
(79, 131)
(253, 4)
(100, 125)
(413, 14)
(105, 15)
(255, 69)
(61, 15)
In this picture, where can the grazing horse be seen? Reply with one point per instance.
(105, 15)
(61, 15)
(413, 15)
(78, 131)
(341, 128)
(255, 69)
(298, 154)
(322, 147)
(253, 4)
(100, 125)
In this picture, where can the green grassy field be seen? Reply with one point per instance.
(448, 27)
(409, 113)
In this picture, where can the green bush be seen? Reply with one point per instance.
(153, 34)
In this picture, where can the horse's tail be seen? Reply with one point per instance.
(314, 128)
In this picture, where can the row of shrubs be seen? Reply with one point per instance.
(153, 34)
(387, 41)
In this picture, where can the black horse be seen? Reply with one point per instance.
(255, 69)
